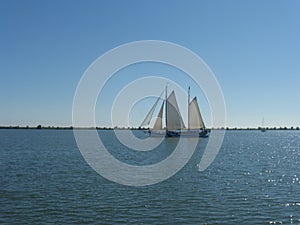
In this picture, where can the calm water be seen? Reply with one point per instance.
(255, 179)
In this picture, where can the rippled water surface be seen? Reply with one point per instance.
(255, 179)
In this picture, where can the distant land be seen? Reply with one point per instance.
(40, 127)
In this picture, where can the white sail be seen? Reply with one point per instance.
(195, 118)
(174, 120)
(150, 114)
(158, 122)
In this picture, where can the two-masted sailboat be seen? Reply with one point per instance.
(174, 125)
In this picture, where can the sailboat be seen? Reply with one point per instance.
(263, 129)
(174, 125)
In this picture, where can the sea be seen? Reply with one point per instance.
(254, 179)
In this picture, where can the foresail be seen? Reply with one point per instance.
(196, 121)
(148, 118)
(158, 122)
(174, 119)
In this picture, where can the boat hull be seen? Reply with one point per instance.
(179, 133)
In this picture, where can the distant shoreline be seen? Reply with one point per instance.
(40, 127)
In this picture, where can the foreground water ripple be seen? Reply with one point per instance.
(255, 179)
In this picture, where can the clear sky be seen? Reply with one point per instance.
(252, 47)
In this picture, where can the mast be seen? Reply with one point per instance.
(188, 104)
(166, 110)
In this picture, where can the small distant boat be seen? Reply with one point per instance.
(174, 125)
(263, 129)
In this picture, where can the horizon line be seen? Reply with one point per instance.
(141, 128)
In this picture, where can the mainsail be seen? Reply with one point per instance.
(158, 122)
(174, 120)
(195, 118)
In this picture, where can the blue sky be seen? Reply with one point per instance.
(252, 47)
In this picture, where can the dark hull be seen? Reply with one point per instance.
(178, 133)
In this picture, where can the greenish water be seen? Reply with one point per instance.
(255, 179)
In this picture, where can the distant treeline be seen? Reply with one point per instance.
(71, 128)
(267, 128)
(133, 128)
